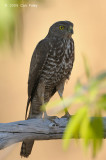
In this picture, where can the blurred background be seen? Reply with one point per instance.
(31, 25)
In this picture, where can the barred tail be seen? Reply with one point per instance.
(26, 148)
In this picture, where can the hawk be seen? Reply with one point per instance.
(51, 65)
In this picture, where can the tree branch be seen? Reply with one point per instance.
(37, 129)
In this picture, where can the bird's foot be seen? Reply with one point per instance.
(67, 115)
(51, 118)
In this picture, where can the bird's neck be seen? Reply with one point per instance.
(58, 38)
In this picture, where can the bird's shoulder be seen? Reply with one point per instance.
(39, 54)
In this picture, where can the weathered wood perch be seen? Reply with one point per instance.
(37, 129)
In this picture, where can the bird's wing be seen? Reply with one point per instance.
(38, 60)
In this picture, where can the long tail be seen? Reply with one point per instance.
(27, 144)
(26, 148)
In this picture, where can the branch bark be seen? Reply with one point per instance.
(37, 129)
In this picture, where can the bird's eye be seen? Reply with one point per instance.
(61, 27)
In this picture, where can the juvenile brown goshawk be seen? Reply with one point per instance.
(51, 65)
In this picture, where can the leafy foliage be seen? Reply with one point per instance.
(8, 19)
(87, 69)
(92, 99)
(11, 20)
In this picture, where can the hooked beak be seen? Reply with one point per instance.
(70, 30)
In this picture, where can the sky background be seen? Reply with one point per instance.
(89, 18)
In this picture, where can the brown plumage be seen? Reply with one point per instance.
(51, 65)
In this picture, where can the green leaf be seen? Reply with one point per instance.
(101, 76)
(93, 90)
(73, 126)
(92, 133)
(10, 21)
(86, 66)
(78, 86)
(97, 134)
(85, 130)
(101, 102)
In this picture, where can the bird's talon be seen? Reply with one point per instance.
(53, 124)
(67, 115)
(51, 118)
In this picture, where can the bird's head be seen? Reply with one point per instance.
(61, 29)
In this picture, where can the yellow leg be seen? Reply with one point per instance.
(67, 114)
